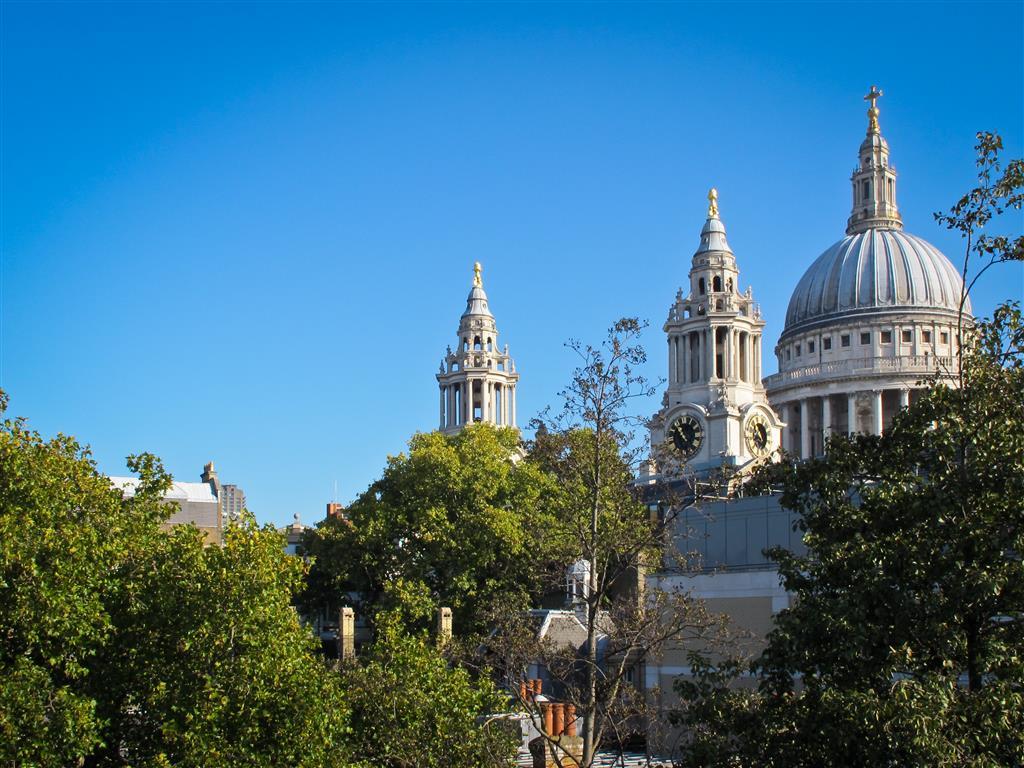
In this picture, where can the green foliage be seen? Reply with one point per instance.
(126, 644)
(456, 522)
(904, 645)
(412, 709)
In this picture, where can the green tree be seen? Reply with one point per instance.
(904, 643)
(411, 708)
(457, 522)
(126, 644)
(601, 520)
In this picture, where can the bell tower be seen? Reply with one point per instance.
(715, 410)
(477, 381)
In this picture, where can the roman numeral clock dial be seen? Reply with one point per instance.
(686, 435)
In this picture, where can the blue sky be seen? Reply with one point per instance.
(244, 232)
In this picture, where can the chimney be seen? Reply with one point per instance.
(557, 719)
(346, 634)
(335, 509)
(570, 720)
(444, 625)
(549, 725)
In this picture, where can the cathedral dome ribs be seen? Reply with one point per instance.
(872, 317)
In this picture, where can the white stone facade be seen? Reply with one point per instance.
(477, 381)
(715, 410)
(871, 319)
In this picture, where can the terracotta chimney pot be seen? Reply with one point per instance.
(570, 720)
(546, 708)
(558, 719)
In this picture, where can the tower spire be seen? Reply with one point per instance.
(874, 180)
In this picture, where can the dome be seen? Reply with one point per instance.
(873, 271)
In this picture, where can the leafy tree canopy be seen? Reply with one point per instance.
(126, 644)
(457, 521)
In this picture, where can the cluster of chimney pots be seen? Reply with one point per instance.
(559, 718)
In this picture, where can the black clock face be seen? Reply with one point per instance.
(686, 434)
(758, 435)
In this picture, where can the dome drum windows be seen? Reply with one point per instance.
(826, 343)
(885, 337)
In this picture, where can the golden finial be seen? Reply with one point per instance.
(477, 281)
(873, 96)
(713, 203)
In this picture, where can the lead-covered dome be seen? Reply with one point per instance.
(874, 270)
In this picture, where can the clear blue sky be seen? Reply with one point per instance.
(244, 233)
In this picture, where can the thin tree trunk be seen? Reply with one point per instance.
(590, 724)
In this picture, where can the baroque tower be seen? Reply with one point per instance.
(478, 383)
(715, 410)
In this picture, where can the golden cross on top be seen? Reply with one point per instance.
(713, 203)
(476, 274)
(873, 96)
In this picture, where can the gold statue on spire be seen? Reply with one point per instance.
(873, 96)
(477, 280)
(713, 203)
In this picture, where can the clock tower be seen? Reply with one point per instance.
(715, 411)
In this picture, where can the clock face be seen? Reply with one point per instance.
(686, 434)
(758, 434)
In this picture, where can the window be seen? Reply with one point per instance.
(788, 355)
(826, 343)
(944, 337)
(700, 286)
(926, 337)
(865, 338)
(798, 350)
(887, 337)
(844, 340)
(908, 336)
(716, 284)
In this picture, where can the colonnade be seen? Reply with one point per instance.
(811, 420)
(459, 403)
(719, 352)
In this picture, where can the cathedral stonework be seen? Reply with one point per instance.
(872, 318)
(715, 411)
(477, 381)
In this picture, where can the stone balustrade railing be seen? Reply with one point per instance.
(837, 369)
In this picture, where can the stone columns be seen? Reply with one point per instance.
(442, 393)
(851, 413)
(485, 400)
(904, 398)
(876, 412)
(683, 374)
(673, 353)
(467, 402)
(709, 350)
(512, 396)
(826, 420)
(784, 414)
(805, 431)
